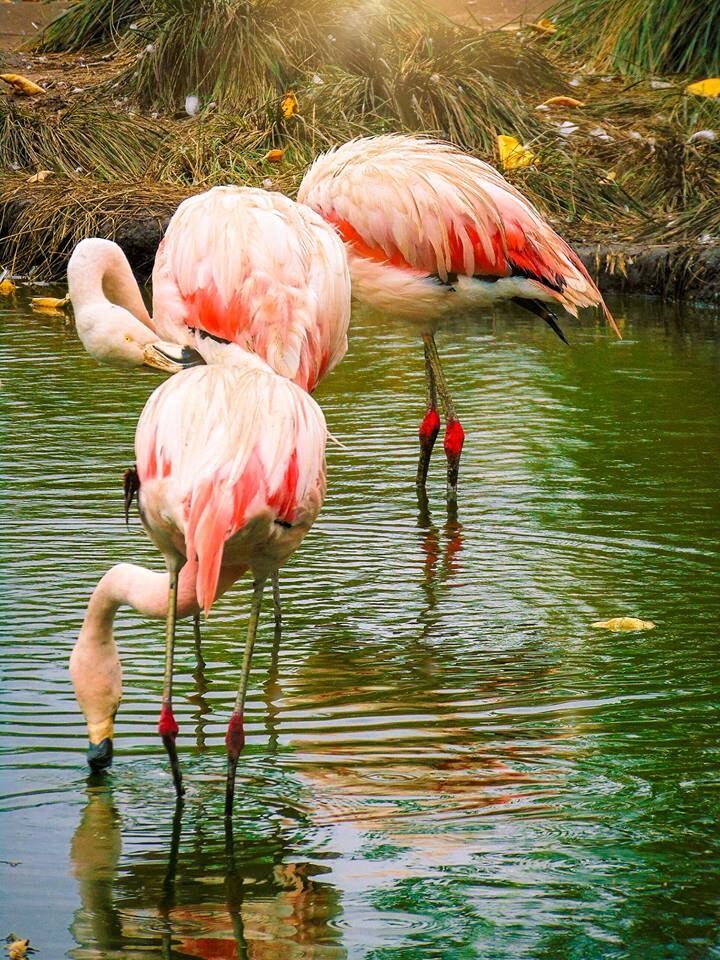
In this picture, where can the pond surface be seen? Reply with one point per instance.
(445, 759)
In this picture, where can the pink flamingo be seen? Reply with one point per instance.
(431, 231)
(237, 268)
(230, 477)
(110, 315)
(252, 269)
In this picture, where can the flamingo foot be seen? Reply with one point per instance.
(234, 741)
(168, 730)
(453, 444)
(100, 755)
(429, 429)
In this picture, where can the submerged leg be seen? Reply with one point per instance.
(197, 637)
(454, 433)
(167, 725)
(277, 608)
(235, 736)
(429, 427)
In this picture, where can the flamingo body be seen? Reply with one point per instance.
(431, 230)
(255, 269)
(231, 463)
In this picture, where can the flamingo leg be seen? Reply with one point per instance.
(167, 725)
(454, 433)
(197, 637)
(235, 736)
(430, 426)
(277, 607)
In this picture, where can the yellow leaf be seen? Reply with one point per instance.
(21, 84)
(624, 623)
(563, 102)
(48, 303)
(544, 26)
(17, 949)
(39, 176)
(289, 105)
(705, 88)
(6, 288)
(512, 154)
(274, 156)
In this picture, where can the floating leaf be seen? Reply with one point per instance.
(705, 88)
(544, 26)
(563, 102)
(39, 176)
(512, 153)
(48, 303)
(624, 623)
(6, 288)
(289, 105)
(20, 84)
(274, 156)
(18, 947)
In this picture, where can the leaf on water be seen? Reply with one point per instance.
(39, 176)
(289, 105)
(513, 154)
(18, 947)
(624, 623)
(544, 26)
(274, 156)
(6, 288)
(705, 88)
(49, 303)
(20, 84)
(563, 102)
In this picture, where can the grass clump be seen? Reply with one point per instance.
(78, 139)
(89, 23)
(640, 37)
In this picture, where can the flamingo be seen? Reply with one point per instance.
(110, 315)
(431, 231)
(230, 477)
(242, 268)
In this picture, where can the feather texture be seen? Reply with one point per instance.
(231, 462)
(429, 227)
(256, 269)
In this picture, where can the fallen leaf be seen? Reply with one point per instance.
(624, 623)
(39, 176)
(512, 153)
(544, 26)
(563, 102)
(705, 88)
(289, 105)
(274, 156)
(22, 85)
(6, 288)
(17, 947)
(49, 303)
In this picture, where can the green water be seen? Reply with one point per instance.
(445, 760)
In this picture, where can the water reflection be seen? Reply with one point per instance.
(265, 907)
(444, 760)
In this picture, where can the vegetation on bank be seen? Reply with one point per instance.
(168, 97)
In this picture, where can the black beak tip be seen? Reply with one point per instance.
(100, 755)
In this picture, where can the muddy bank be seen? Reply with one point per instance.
(671, 271)
(674, 271)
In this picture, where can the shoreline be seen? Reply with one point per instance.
(672, 271)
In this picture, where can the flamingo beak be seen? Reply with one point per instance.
(170, 357)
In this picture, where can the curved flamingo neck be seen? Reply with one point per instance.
(98, 272)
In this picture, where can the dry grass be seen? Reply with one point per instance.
(641, 37)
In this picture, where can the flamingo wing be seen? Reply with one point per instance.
(218, 446)
(427, 207)
(256, 269)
